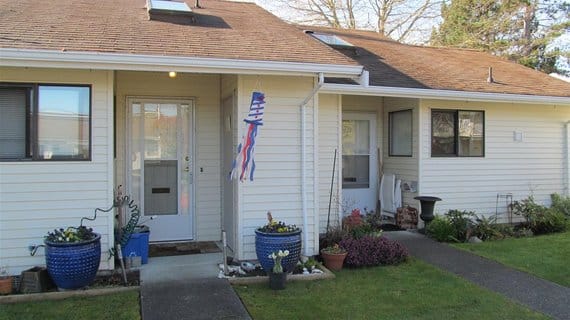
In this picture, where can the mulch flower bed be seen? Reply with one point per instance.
(104, 279)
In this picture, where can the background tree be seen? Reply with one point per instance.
(522, 30)
(401, 20)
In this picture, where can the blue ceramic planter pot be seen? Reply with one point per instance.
(73, 265)
(267, 243)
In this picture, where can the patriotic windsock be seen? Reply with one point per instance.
(244, 164)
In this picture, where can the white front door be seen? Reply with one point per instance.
(160, 165)
(359, 162)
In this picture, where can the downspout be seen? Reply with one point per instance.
(304, 166)
(567, 173)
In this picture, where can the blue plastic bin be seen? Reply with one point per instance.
(138, 244)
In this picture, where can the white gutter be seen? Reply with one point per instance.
(440, 94)
(304, 165)
(136, 62)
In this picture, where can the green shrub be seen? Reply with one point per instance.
(441, 229)
(542, 220)
(527, 208)
(374, 220)
(561, 203)
(487, 229)
(462, 222)
(549, 221)
(362, 230)
(505, 229)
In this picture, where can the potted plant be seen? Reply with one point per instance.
(277, 277)
(276, 236)
(333, 257)
(5, 281)
(73, 256)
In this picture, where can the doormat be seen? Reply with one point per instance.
(391, 227)
(181, 248)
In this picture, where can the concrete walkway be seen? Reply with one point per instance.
(187, 287)
(538, 294)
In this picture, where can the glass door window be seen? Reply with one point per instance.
(355, 154)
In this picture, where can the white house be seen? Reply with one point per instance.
(87, 104)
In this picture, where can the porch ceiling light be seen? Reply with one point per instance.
(172, 74)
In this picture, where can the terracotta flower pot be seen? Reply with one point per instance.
(5, 285)
(333, 261)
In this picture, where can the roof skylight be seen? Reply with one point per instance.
(167, 6)
(331, 39)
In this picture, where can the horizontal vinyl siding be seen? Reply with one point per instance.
(533, 166)
(36, 197)
(277, 181)
(405, 168)
(329, 130)
(205, 91)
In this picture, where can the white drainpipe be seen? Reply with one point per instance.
(567, 173)
(304, 166)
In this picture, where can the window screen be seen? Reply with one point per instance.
(13, 111)
(400, 126)
(355, 154)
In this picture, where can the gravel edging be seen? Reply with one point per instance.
(60, 295)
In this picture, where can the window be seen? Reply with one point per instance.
(400, 133)
(45, 122)
(166, 6)
(457, 133)
(355, 154)
(330, 39)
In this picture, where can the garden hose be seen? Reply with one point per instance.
(129, 228)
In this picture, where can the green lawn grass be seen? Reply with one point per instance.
(414, 290)
(120, 306)
(545, 256)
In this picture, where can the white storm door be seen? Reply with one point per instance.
(161, 166)
(359, 161)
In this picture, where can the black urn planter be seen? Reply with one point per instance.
(427, 204)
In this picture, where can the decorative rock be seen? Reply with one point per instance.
(474, 240)
(305, 271)
(247, 266)
(317, 271)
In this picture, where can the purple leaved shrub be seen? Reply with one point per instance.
(373, 251)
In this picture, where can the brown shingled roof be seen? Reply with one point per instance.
(395, 64)
(222, 29)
